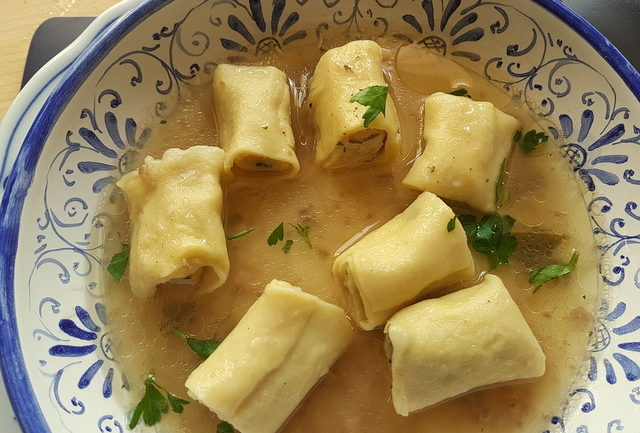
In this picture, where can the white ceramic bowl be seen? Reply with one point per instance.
(55, 345)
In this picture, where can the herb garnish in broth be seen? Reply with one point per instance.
(551, 272)
(491, 236)
(154, 403)
(287, 246)
(460, 92)
(303, 232)
(118, 263)
(530, 141)
(276, 235)
(239, 234)
(202, 348)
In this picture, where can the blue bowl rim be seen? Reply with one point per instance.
(14, 371)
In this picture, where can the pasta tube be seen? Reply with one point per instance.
(411, 255)
(468, 339)
(466, 143)
(343, 140)
(279, 350)
(252, 109)
(175, 206)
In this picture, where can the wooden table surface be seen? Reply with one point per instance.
(20, 19)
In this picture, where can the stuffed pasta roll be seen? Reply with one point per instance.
(254, 120)
(411, 255)
(444, 347)
(466, 143)
(343, 140)
(175, 206)
(279, 350)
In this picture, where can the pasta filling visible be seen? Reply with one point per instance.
(412, 255)
(254, 162)
(349, 134)
(362, 147)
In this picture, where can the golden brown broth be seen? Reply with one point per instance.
(355, 396)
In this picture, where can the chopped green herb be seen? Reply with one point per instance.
(202, 348)
(550, 272)
(491, 237)
(176, 403)
(460, 92)
(451, 225)
(276, 235)
(501, 194)
(303, 232)
(469, 225)
(163, 122)
(287, 246)
(119, 263)
(517, 136)
(374, 97)
(264, 126)
(224, 427)
(153, 404)
(239, 234)
(339, 143)
(530, 141)
(263, 164)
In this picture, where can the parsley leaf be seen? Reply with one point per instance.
(276, 235)
(469, 224)
(224, 427)
(202, 348)
(374, 97)
(501, 194)
(491, 236)
(517, 136)
(119, 263)
(153, 404)
(460, 92)
(239, 234)
(530, 141)
(287, 246)
(551, 272)
(177, 403)
(303, 232)
(451, 225)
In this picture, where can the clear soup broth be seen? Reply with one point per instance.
(543, 196)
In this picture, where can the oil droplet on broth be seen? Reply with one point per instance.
(355, 395)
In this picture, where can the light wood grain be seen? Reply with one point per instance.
(19, 19)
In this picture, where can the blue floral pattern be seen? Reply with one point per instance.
(514, 47)
(262, 36)
(602, 339)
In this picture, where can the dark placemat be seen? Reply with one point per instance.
(53, 35)
(617, 20)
